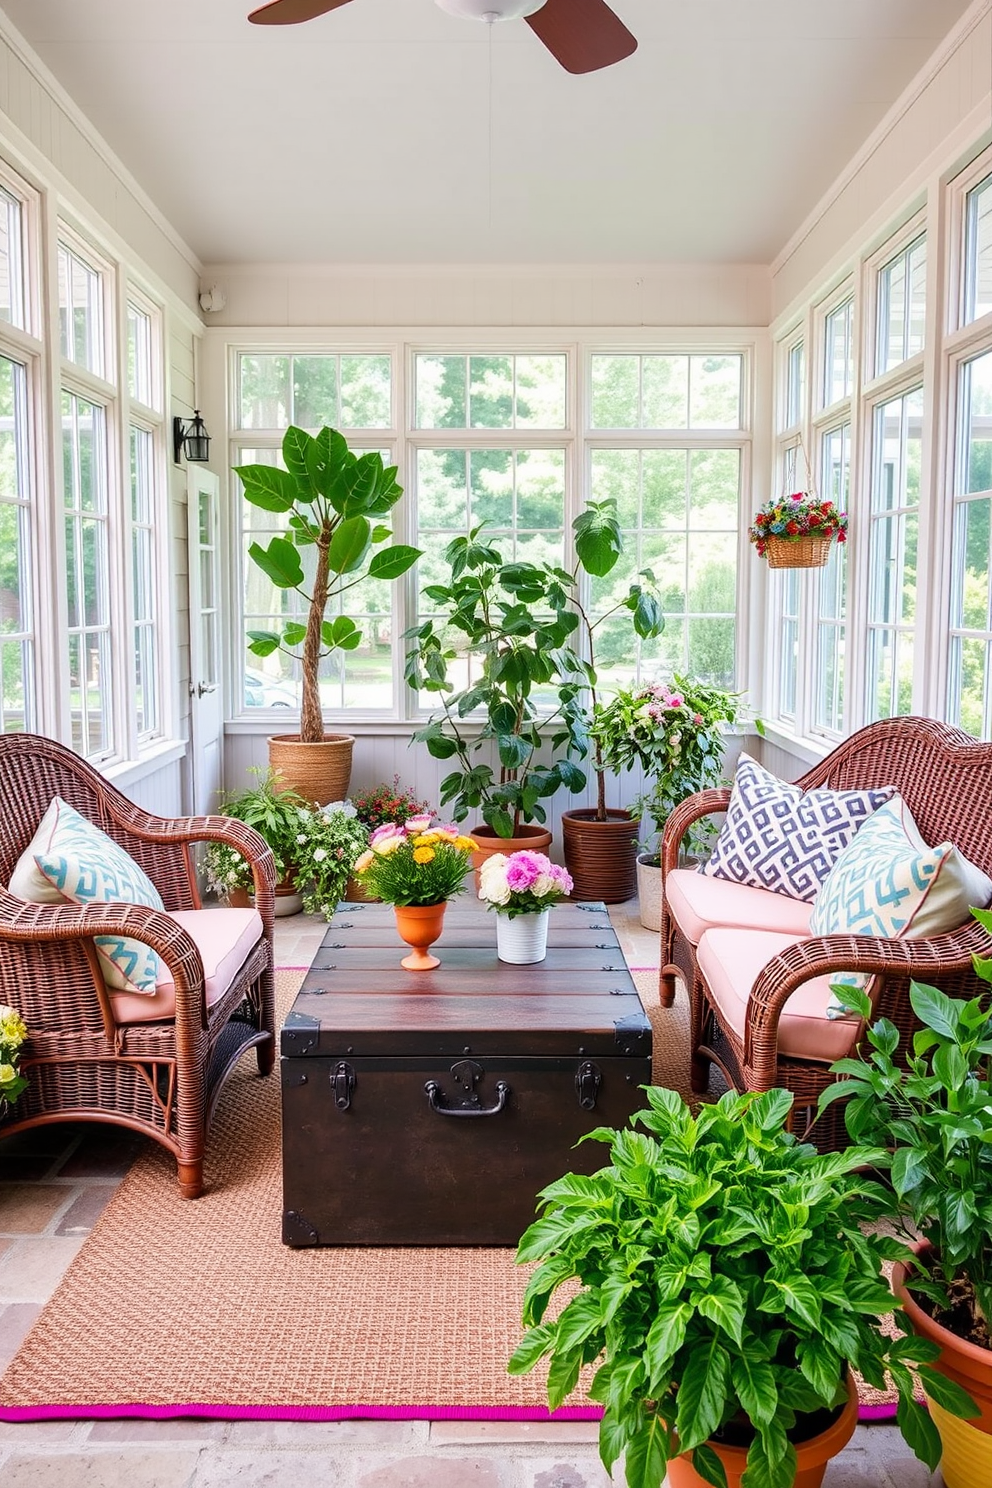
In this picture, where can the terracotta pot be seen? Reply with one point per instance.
(420, 925)
(967, 1459)
(533, 838)
(601, 856)
(812, 1455)
(318, 772)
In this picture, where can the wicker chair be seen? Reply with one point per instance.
(160, 1078)
(945, 776)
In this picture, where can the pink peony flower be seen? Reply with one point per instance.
(524, 868)
(417, 824)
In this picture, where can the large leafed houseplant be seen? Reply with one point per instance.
(335, 503)
(729, 1277)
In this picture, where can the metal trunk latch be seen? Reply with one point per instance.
(343, 1082)
(588, 1079)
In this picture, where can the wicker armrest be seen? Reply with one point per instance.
(919, 960)
(40, 923)
(702, 803)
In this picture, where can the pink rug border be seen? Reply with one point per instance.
(24, 1413)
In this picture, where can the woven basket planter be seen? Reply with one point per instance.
(797, 552)
(601, 856)
(317, 772)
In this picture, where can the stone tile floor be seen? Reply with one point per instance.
(53, 1184)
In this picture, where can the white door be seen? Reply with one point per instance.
(205, 691)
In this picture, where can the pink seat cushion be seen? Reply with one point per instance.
(730, 961)
(223, 937)
(700, 904)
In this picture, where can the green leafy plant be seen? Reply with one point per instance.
(386, 803)
(329, 842)
(277, 815)
(335, 501)
(674, 733)
(532, 641)
(723, 1268)
(13, 1032)
(416, 863)
(935, 1114)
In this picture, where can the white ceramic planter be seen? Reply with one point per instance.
(522, 938)
(649, 891)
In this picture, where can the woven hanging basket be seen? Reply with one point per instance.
(797, 552)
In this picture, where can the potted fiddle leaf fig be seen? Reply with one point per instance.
(729, 1279)
(334, 502)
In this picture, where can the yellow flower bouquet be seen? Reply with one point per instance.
(13, 1032)
(415, 862)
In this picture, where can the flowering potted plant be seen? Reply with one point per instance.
(675, 734)
(275, 815)
(522, 888)
(328, 842)
(416, 867)
(379, 804)
(796, 531)
(13, 1032)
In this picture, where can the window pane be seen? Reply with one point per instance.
(969, 696)
(715, 392)
(491, 392)
(315, 391)
(146, 701)
(13, 295)
(16, 608)
(666, 392)
(838, 368)
(84, 444)
(140, 350)
(893, 540)
(81, 315)
(366, 392)
(978, 252)
(265, 392)
(901, 308)
(795, 395)
(616, 392)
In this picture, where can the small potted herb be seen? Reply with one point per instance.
(275, 815)
(729, 1278)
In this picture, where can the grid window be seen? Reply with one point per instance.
(146, 706)
(490, 392)
(81, 314)
(17, 639)
(838, 356)
(831, 620)
(977, 278)
(667, 392)
(361, 679)
(970, 671)
(345, 392)
(13, 287)
(892, 553)
(901, 307)
(678, 511)
(84, 451)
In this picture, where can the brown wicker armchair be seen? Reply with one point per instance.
(161, 1078)
(945, 776)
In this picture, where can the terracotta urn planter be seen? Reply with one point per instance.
(533, 838)
(813, 1455)
(420, 925)
(967, 1459)
(318, 772)
(601, 856)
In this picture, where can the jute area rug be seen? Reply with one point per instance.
(177, 1308)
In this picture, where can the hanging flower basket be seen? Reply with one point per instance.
(796, 531)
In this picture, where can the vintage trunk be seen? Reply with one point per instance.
(428, 1108)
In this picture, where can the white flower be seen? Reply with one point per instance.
(320, 853)
(345, 807)
(302, 837)
(543, 884)
(493, 886)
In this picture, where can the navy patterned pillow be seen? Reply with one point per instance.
(778, 837)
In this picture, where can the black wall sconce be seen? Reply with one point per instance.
(191, 438)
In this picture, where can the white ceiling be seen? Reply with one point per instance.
(367, 136)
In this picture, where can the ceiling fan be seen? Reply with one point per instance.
(583, 35)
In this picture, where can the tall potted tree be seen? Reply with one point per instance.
(334, 502)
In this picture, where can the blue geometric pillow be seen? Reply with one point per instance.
(73, 858)
(777, 837)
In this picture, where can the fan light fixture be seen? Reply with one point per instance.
(191, 438)
(490, 10)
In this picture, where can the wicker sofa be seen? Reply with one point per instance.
(155, 1063)
(713, 933)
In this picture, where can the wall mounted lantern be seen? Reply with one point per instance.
(191, 438)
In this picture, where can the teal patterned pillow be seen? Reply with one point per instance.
(888, 882)
(70, 858)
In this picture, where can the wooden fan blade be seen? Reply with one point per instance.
(583, 35)
(291, 12)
